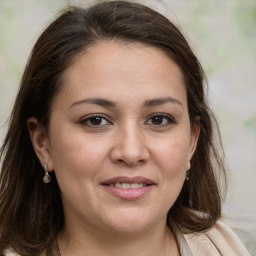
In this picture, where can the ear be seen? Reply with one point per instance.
(40, 142)
(195, 132)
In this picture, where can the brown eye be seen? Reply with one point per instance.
(97, 120)
(157, 120)
(160, 120)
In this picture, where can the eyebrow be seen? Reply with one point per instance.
(161, 101)
(96, 101)
(108, 103)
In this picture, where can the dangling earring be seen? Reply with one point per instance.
(187, 176)
(47, 177)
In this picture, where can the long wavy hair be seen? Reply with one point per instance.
(31, 212)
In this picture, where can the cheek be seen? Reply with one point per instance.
(75, 157)
(173, 155)
(173, 161)
(76, 164)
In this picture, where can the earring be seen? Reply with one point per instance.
(47, 177)
(187, 176)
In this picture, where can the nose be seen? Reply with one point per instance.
(130, 147)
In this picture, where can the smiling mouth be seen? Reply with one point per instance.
(125, 182)
(127, 185)
(128, 188)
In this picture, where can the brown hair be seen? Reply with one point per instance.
(31, 212)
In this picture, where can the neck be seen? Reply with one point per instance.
(153, 241)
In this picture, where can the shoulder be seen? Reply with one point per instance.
(219, 240)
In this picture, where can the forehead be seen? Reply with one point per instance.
(110, 67)
(125, 53)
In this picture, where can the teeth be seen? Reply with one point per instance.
(127, 185)
(135, 185)
(118, 185)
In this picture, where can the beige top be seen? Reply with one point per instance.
(218, 241)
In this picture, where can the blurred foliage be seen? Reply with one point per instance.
(251, 124)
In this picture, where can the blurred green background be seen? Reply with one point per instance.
(223, 36)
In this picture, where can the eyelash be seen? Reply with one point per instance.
(85, 121)
(169, 120)
(89, 118)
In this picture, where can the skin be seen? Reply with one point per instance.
(125, 140)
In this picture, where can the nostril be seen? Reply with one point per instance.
(130, 162)
(129, 151)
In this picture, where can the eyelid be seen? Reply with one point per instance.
(87, 118)
(164, 115)
(171, 119)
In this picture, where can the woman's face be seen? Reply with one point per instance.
(120, 140)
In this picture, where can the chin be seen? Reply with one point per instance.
(128, 228)
(132, 221)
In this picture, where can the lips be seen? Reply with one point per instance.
(127, 185)
(128, 188)
(129, 180)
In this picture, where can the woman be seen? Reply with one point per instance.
(110, 145)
